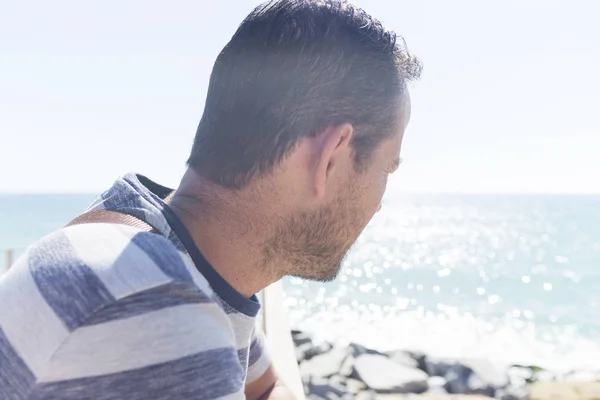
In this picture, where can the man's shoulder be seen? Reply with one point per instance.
(83, 306)
(81, 269)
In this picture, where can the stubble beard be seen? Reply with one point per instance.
(314, 245)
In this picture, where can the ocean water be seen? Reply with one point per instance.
(27, 218)
(513, 279)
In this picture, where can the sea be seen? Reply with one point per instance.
(508, 278)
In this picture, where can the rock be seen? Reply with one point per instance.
(337, 380)
(438, 367)
(356, 350)
(326, 390)
(420, 358)
(477, 385)
(324, 365)
(347, 368)
(383, 375)
(300, 338)
(403, 358)
(457, 379)
(475, 377)
(301, 351)
(314, 351)
(531, 373)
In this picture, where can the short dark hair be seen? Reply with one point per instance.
(292, 69)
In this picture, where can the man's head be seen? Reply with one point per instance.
(309, 96)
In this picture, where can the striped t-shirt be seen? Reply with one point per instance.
(105, 311)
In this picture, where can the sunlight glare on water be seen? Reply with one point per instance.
(509, 278)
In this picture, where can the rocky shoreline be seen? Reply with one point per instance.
(357, 372)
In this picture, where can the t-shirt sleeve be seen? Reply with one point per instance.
(258, 358)
(112, 313)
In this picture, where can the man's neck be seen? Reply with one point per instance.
(230, 235)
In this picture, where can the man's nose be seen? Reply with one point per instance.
(379, 208)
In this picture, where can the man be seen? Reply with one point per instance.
(303, 123)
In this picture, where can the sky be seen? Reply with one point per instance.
(507, 103)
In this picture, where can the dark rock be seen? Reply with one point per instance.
(301, 351)
(347, 368)
(531, 373)
(317, 350)
(533, 368)
(420, 358)
(477, 385)
(438, 367)
(475, 377)
(461, 379)
(300, 338)
(383, 375)
(324, 365)
(358, 350)
(457, 379)
(325, 390)
(337, 381)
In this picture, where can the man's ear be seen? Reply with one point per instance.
(332, 146)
